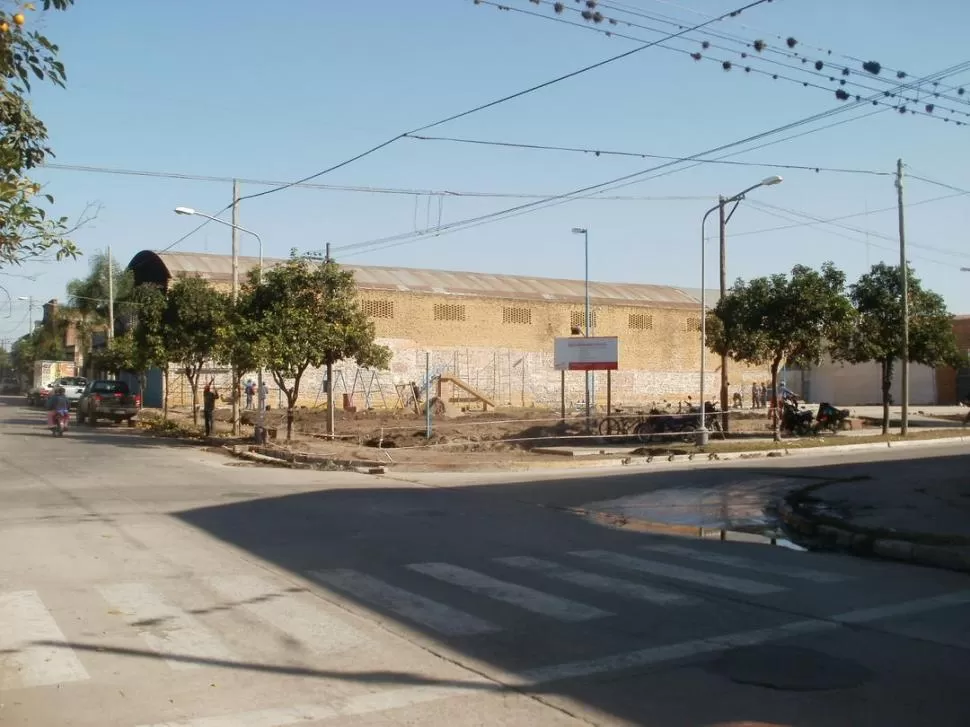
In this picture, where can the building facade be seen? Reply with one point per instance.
(496, 333)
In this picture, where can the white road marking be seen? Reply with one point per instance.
(596, 581)
(443, 619)
(165, 628)
(713, 580)
(735, 561)
(530, 599)
(30, 635)
(685, 649)
(318, 631)
(382, 701)
(906, 608)
(353, 707)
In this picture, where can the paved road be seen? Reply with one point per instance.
(144, 584)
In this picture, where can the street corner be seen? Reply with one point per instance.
(829, 522)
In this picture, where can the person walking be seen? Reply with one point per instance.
(210, 395)
(754, 395)
(764, 396)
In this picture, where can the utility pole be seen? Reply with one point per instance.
(111, 297)
(235, 300)
(331, 415)
(723, 275)
(904, 274)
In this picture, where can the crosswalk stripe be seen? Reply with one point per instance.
(167, 630)
(443, 619)
(677, 572)
(32, 646)
(735, 561)
(596, 581)
(318, 631)
(530, 599)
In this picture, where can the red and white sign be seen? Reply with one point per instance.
(597, 353)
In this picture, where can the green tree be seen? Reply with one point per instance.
(194, 314)
(149, 335)
(237, 345)
(89, 297)
(306, 314)
(878, 334)
(781, 319)
(26, 230)
(117, 356)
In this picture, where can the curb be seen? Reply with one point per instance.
(299, 460)
(868, 542)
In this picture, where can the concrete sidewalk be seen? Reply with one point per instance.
(924, 521)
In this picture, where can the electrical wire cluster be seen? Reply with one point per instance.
(780, 59)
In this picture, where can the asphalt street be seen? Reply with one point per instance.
(147, 584)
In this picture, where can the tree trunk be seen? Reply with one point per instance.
(236, 378)
(887, 382)
(165, 392)
(774, 402)
(194, 386)
(290, 403)
(331, 419)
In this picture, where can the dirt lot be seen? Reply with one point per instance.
(500, 439)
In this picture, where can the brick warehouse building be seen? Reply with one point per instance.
(494, 332)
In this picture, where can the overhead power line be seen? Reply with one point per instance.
(938, 184)
(400, 191)
(406, 238)
(783, 40)
(476, 109)
(866, 213)
(894, 248)
(644, 155)
(857, 230)
(747, 62)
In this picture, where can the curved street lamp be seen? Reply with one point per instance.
(703, 433)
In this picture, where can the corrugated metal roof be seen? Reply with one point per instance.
(444, 282)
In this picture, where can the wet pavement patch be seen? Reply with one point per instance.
(790, 668)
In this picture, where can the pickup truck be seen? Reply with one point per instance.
(108, 399)
(73, 388)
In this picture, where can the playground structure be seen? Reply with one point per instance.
(411, 395)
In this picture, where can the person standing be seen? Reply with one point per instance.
(250, 390)
(264, 395)
(764, 395)
(210, 396)
(755, 393)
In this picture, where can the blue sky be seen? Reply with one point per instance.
(278, 92)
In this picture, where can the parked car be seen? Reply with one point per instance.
(9, 385)
(37, 395)
(108, 399)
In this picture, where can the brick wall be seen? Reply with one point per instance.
(503, 348)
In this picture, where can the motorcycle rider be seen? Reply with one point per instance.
(56, 404)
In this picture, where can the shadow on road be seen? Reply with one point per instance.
(344, 539)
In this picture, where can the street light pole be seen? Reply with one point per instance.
(703, 433)
(30, 311)
(589, 384)
(261, 416)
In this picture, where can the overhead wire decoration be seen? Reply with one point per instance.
(743, 59)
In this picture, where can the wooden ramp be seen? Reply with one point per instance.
(467, 388)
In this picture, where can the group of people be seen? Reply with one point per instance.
(250, 391)
(761, 395)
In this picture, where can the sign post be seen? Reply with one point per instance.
(595, 353)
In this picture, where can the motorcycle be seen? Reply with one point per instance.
(60, 423)
(795, 420)
(830, 418)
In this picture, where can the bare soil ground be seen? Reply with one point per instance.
(494, 440)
